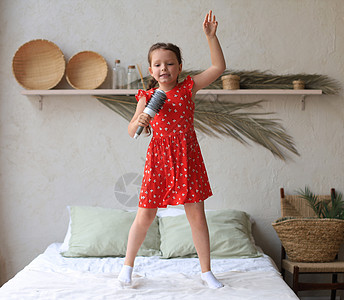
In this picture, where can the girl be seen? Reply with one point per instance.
(174, 172)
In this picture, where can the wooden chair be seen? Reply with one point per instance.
(296, 206)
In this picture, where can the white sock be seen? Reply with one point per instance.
(125, 274)
(211, 280)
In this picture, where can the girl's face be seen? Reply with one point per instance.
(165, 67)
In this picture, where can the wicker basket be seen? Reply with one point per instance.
(298, 85)
(310, 239)
(38, 65)
(86, 70)
(230, 82)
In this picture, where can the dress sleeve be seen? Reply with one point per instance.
(142, 93)
(188, 83)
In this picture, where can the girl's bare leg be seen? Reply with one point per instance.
(137, 235)
(200, 235)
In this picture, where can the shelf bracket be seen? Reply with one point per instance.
(40, 102)
(303, 102)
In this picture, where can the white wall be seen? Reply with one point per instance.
(75, 151)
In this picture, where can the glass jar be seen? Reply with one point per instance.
(118, 76)
(132, 78)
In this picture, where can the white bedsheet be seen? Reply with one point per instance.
(51, 276)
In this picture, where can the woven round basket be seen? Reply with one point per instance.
(298, 85)
(38, 65)
(310, 239)
(86, 70)
(230, 82)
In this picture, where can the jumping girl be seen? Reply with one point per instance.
(174, 172)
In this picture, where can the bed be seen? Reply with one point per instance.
(86, 264)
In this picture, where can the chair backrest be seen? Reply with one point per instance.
(296, 206)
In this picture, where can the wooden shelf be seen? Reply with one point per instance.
(71, 92)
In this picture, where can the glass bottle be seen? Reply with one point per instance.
(132, 82)
(118, 76)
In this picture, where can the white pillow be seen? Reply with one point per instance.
(170, 212)
(65, 246)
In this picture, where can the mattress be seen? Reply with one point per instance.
(52, 276)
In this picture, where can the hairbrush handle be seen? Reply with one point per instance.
(153, 107)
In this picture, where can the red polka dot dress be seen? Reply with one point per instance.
(174, 172)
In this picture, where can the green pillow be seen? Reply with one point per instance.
(229, 231)
(99, 232)
(176, 237)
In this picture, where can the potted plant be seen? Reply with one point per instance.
(333, 209)
(313, 239)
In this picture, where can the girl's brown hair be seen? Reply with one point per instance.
(165, 46)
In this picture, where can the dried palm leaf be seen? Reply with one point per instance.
(264, 80)
(216, 118)
(125, 106)
(227, 118)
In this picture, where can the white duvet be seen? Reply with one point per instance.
(51, 276)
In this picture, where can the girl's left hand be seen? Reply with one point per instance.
(210, 25)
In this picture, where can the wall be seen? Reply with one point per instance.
(77, 151)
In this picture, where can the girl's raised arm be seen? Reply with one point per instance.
(218, 64)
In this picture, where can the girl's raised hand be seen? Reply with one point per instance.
(210, 25)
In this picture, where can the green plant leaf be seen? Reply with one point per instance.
(324, 209)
